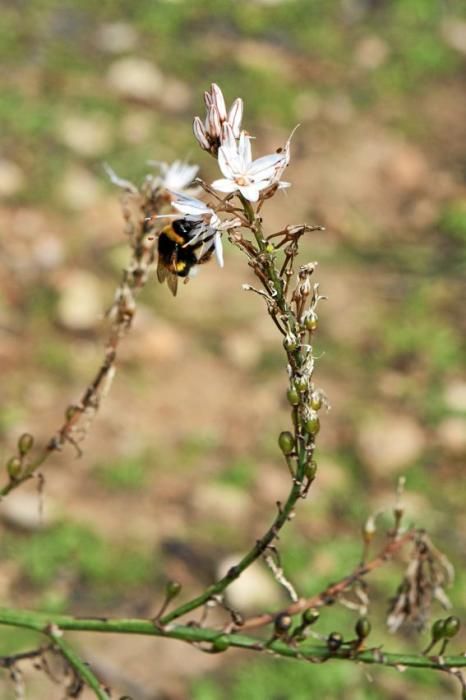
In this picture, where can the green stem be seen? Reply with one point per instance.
(42, 622)
(81, 668)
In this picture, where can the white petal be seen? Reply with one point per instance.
(228, 162)
(244, 150)
(224, 185)
(215, 125)
(218, 101)
(219, 249)
(200, 133)
(250, 192)
(227, 138)
(265, 165)
(235, 115)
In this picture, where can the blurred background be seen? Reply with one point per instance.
(181, 471)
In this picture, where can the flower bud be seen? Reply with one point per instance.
(286, 442)
(293, 397)
(312, 425)
(451, 626)
(310, 616)
(283, 622)
(311, 321)
(13, 467)
(334, 641)
(25, 443)
(301, 384)
(310, 470)
(363, 628)
(290, 342)
(172, 589)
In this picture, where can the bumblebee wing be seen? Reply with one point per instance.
(172, 281)
(162, 272)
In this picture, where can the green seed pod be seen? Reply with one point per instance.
(270, 248)
(363, 628)
(172, 589)
(25, 443)
(14, 467)
(290, 343)
(316, 401)
(311, 322)
(438, 630)
(310, 470)
(334, 641)
(451, 627)
(283, 622)
(312, 425)
(310, 616)
(220, 644)
(301, 384)
(293, 397)
(286, 442)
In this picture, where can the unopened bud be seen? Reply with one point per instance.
(14, 467)
(293, 397)
(369, 529)
(311, 322)
(301, 384)
(290, 342)
(286, 442)
(451, 626)
(172, 589)
(310, 470)
(283, 622)
(310, 616)
(313, 424)
(25, 443)
(363, 628)
(334, 641)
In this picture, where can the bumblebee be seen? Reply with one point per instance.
(177, 256)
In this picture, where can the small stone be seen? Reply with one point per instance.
(454, 34)
(371, 52)
(86, 136)
(389, 443)
(176, 96)
(254, 590)
(455, 395)
(136, 127)
(222, 503)
(24, 511)
(12, 178)
(136, 78)
(79, 307)
(117, 37)
(452, 435)
(79, 189)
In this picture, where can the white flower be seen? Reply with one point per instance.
(209, 133)
(174, 176)
(209, 228)
(241, 173)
